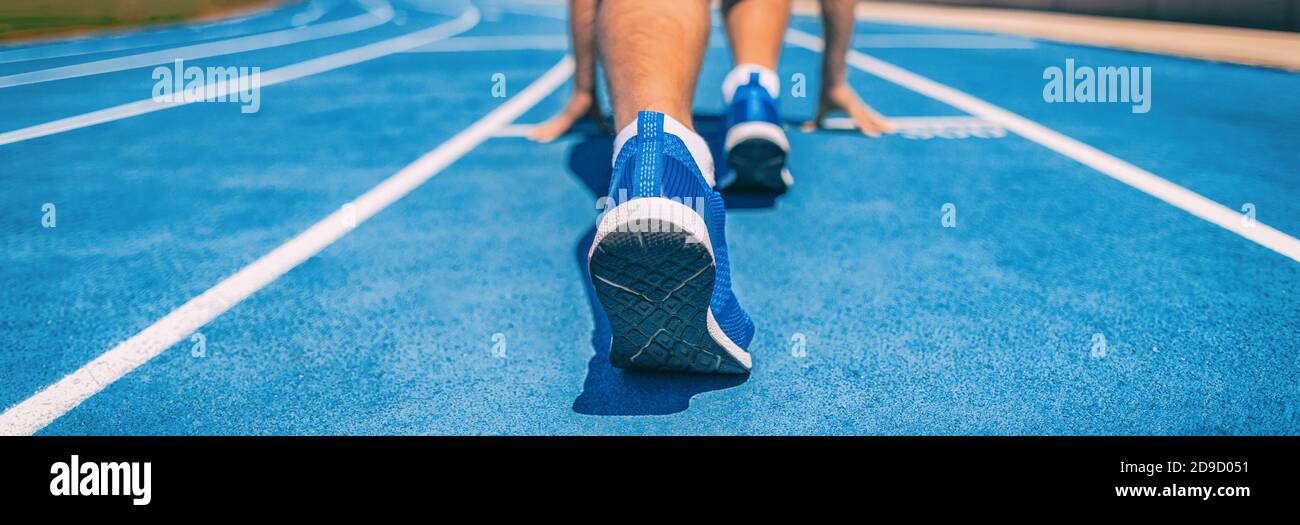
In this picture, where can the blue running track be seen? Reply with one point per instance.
(1063, 302)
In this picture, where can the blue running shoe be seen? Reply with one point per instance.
(658, 262)
(756, 144)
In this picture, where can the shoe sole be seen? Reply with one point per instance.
(756, 153)
(653, 271)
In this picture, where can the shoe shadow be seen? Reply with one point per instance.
(610, 391)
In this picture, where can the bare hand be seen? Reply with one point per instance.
(842, 97)
(580, 105)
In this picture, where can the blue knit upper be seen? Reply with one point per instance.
(657, 164)
(751, 102)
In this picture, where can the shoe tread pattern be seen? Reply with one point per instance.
(757, 164)
(655, 288)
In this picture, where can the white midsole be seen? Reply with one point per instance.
(658, 214)
(757, 130)
(652, 214)
(733, 349)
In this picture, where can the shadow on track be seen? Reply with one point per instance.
(610, 391)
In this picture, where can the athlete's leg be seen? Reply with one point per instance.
(836, 93)
(652, 53)
(755, 143)
(756, 29)
(658, 260)
(582, 104)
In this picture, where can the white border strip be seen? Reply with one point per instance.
(307, 68)
(1147, 182)
(36, 412)
(375, 17)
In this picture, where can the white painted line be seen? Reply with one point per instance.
(941, 41)
(846, 123)
(922, 128)
(514, 130)
(34, 413)
(135, 38)
(497, 43)
(1147, 182)
(937, 126)
(377, 16)
(275, 76)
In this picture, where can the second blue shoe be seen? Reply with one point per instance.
(755, 143)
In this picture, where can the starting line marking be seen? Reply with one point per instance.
(916, 128)
(924, 128)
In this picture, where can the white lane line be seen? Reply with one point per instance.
(134, 38)
(1145, 181)
(497, 43)
(941, 41)
(514, 130)
(846, 123)
(918, 127)
(376, 16)
(34, 413)
(275, 76)
(923, 128)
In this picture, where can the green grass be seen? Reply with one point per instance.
(25, 19)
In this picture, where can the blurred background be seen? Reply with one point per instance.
(1261, 14)
(32, 19)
